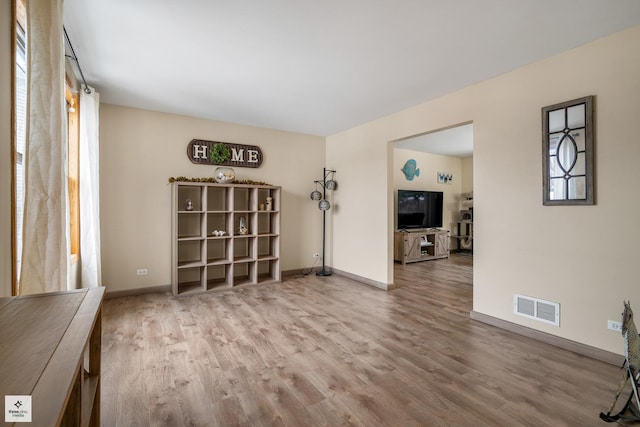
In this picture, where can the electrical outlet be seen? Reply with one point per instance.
(316, 255)
(614, 326)
(142, 272)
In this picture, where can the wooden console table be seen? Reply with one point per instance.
(420, 245)
(50, 348)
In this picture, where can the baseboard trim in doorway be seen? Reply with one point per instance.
(374, 283)
(303, 272)
(576, 347)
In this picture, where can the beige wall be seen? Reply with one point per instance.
(140, 150)
(430, 165)
(6, 62)
(467, 175)
(581, 257)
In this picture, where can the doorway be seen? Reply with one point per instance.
(439, 161)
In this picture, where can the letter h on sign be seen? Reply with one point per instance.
(199, 151)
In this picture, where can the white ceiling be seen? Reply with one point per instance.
(318, 67)
(456, 141)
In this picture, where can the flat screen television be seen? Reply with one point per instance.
(419, 209)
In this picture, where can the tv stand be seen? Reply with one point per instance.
(420, 245)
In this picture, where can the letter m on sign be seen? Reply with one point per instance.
(237, 155)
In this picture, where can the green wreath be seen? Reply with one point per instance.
(219, 153)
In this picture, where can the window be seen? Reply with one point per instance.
(20, 100)
(73, 139)
(20, 154)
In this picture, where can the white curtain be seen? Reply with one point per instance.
(89, 189)
(45, 250)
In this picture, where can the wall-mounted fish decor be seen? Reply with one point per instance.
(410, 170)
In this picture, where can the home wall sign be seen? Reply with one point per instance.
(203, 152)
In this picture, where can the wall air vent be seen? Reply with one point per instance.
(535, 308)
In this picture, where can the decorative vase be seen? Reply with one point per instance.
(242, 229)
(188, 205)
(224, 175)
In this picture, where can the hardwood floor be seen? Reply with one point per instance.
(328, 351)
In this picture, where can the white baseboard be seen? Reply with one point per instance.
(374, 283)
(303, 271)
(138, 291)
(576, 347)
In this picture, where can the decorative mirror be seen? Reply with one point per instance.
(567, 153)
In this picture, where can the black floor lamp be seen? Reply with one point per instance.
(327, 183)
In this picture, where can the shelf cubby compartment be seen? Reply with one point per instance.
(218, 199)
(218, 221)
(243, 248)
(190, 253)
(189, 192)
(190, 280)
(218, 276)
(268, 270)
(249, 220)
(244, 199)
(244, 273)
(267, 247)
(218, 250)
(427, 245)
(190, 224)
(268, 222)
(263, 193)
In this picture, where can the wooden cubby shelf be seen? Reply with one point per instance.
(205, 260)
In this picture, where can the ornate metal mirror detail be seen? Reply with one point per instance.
(567, 153)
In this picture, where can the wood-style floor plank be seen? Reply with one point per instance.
(328, 351)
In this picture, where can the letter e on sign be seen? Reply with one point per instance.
(253, 156)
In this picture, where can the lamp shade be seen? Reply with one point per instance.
(324, 205)
(316, 195)
(331, 185)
